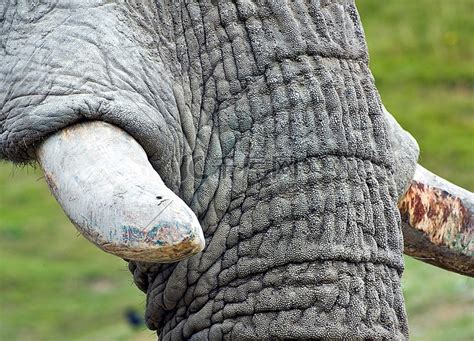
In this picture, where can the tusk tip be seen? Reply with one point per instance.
(105, 184)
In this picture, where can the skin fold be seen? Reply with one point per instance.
(263, 117)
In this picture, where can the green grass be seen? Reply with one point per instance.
(55, 284)
(422, 56)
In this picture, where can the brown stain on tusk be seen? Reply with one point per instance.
(51, 182)
(438, 228)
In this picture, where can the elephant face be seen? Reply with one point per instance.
(264, 118)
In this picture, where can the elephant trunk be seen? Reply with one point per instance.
(312, 251)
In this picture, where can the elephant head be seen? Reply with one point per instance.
(261, 116)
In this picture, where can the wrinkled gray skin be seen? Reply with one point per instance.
(264, 117)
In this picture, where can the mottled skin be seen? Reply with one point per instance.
(264, 117)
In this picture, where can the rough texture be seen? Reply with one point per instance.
(264, 117)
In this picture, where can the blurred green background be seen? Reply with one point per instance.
(55, 285)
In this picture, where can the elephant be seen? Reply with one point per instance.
(263, 118)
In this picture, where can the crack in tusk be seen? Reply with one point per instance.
(159, 213)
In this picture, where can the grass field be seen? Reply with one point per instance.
(54, 284)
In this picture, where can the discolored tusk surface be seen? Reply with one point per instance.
(105, 184)
(438, 222)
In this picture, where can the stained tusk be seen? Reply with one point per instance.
(438, 222)
(104, 182)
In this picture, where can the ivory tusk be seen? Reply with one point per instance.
(438, 222)
(105, 184)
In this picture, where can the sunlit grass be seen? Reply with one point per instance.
(52, 282)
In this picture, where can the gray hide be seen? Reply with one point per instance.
(264, 118)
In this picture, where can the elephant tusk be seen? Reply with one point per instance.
(438, 222)
(104, 182)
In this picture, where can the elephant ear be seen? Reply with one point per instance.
(406, 152)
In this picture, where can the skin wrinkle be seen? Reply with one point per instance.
(264, 117)
(240, 314)
(204, 109)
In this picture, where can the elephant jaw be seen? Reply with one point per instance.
(104, 182)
